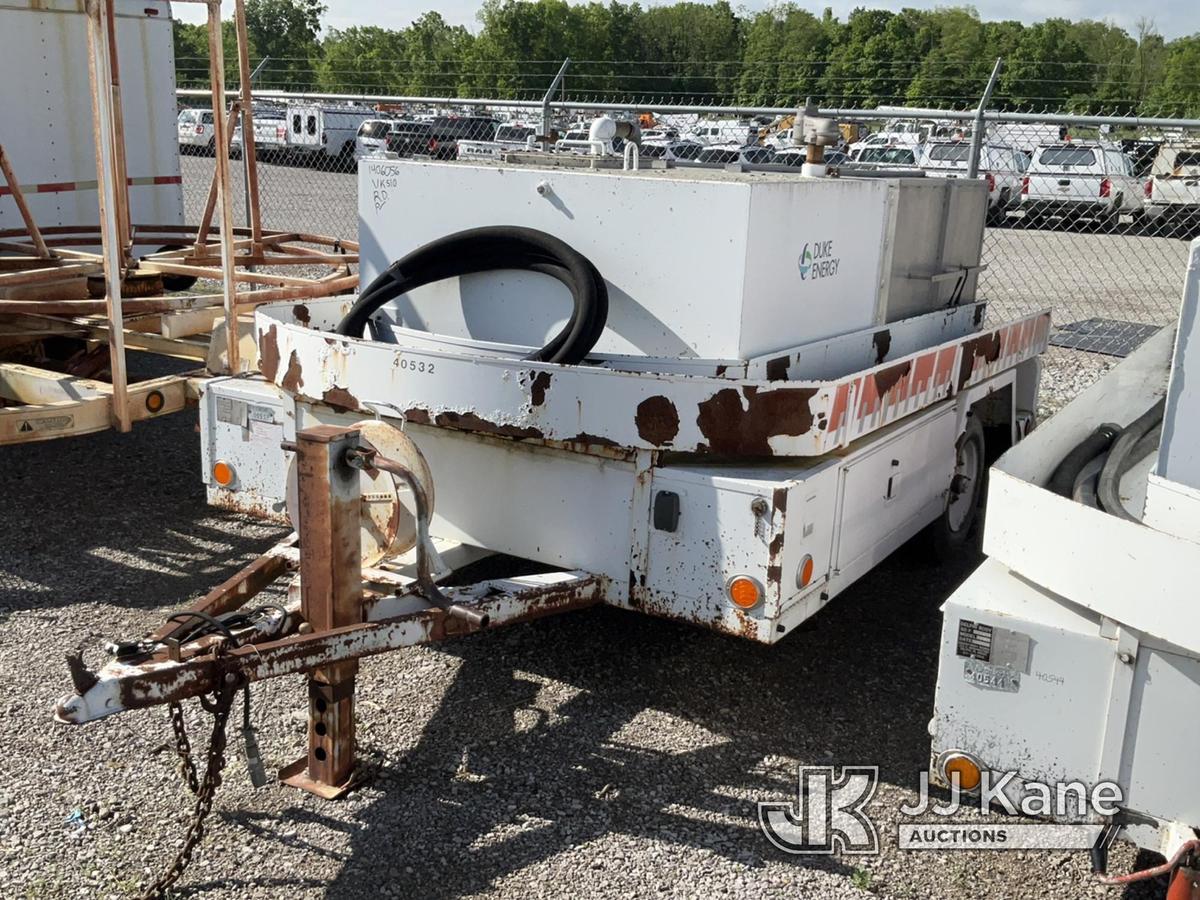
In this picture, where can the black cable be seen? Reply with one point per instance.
(489, 249)
(213, 623)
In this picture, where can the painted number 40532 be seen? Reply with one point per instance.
(419, 366)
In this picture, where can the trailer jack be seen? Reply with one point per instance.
(344, 611)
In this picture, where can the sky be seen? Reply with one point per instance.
(1174, 18)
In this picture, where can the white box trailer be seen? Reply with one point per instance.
(1073, 653)
(46, 107)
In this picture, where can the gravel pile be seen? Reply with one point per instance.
(600, 754)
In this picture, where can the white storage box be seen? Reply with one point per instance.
(700, 263)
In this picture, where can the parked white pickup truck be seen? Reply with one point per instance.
(1001, 166)
(1173, 190)
(1081, 180)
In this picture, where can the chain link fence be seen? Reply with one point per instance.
(1089, 215)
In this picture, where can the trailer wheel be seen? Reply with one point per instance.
(955, 529)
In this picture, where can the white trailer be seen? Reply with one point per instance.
(726, 426)
(49, 141)
(854, 374)
(1073, 653)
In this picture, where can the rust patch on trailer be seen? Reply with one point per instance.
(779, 499)
(747, 626)
(293, 378)
(592, 440)
(538, 386)
(777, 368)
(883, 343)
(471, 422)
(733, 429)
(300, 311)
(775, 548)
(657, 420)
(417, 416)
(721, 370)
(340, 399)
(886, 379)
(986, 346)
(268, 353)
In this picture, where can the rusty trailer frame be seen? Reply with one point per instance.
(343, 612)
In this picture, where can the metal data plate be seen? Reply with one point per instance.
(993, 644)
(991, 678)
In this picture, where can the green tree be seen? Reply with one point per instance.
(364, 59)
(955, 69)
(287, 31)
(786, 54)
(1178, 91)
(191, 53)
(1108, 86)
(1050, 68)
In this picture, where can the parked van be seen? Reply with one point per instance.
(1081, 180)
(325, 133)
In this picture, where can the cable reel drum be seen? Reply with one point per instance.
(388, 519)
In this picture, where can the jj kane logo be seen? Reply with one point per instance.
(829, 814)
(817, 260)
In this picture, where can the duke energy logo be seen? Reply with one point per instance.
(817, 260)
(805, 262)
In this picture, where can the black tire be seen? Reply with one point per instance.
(176, 282)
(956, 530)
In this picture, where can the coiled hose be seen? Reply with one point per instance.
(1092, 471)
(489, 249)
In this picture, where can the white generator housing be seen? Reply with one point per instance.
(709, 264)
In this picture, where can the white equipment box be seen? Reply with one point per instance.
(1073, 653)
(712, 264)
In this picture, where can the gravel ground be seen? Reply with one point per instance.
(599, 754)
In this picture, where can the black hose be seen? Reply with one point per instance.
(1062, 482)
(1121, 458)
(489, 249)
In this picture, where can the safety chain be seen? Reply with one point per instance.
(219, 705)
(183, 748)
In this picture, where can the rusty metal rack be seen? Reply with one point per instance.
(55, 293)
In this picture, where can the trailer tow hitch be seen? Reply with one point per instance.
(344, 611)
